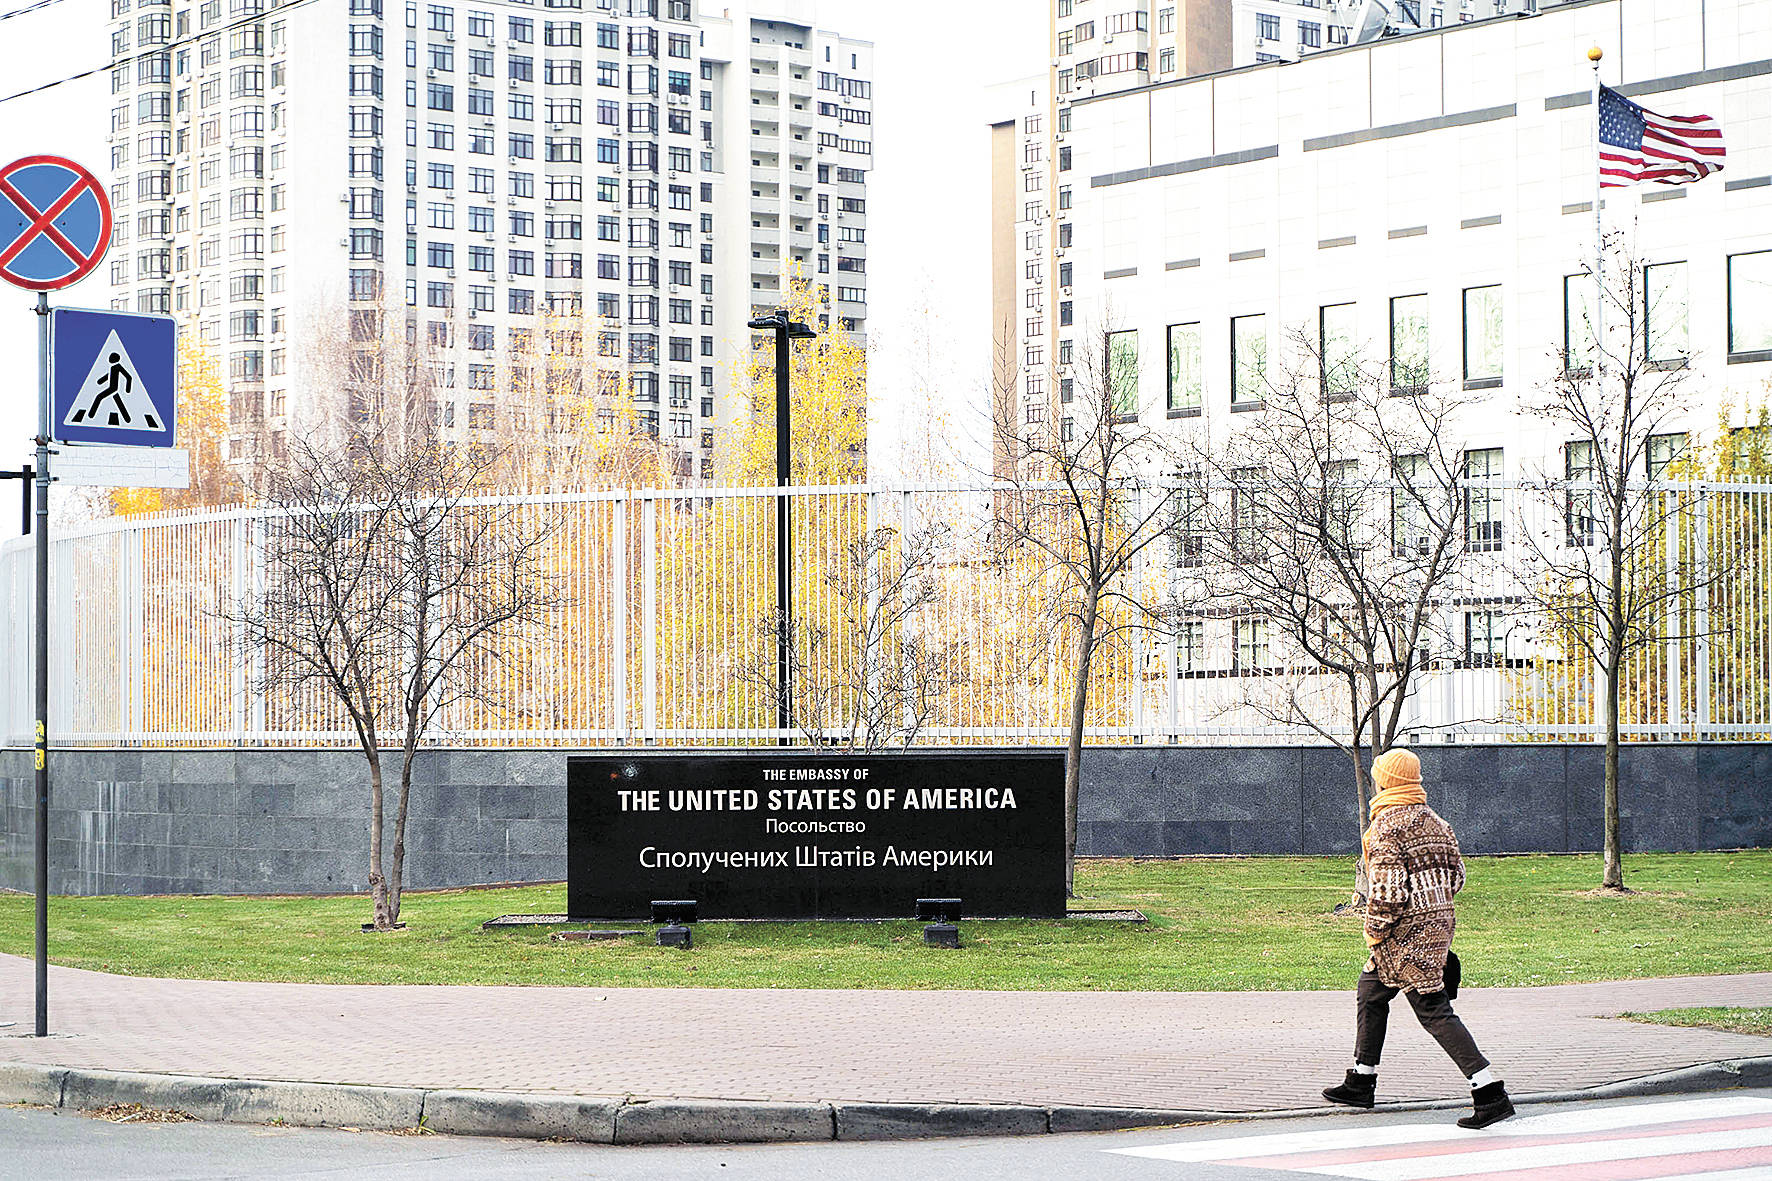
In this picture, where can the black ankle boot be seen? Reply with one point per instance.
(1357, 1090)
(1491, 1106)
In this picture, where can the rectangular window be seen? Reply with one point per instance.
(1581, 511)
(1186, 379)
(1750, 307)
(1663, 451)
(1249, 637)
(1482, 337)
(1248, 360)
(1482, 500)
(1408, 344)
(1122, 372)
(1665, 334)
(1408, 516)
(1578, 324)
(1267, 26)
(1337, 352)
(1485, 638)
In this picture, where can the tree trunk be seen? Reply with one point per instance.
(397, 875)
(1612, 876)
(1363, 805)
(378, 882)
(1073, 753)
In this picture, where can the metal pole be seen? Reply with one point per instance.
(41, 747)
(1601, 680)
(784, 570)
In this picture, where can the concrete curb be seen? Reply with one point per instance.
(596, 1120)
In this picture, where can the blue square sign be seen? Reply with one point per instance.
(113, 378)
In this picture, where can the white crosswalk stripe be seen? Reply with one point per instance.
(1721, 1137)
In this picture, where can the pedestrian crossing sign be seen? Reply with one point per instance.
(113, 375)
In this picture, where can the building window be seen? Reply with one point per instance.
(1578, 324)
(1408, 344)
(1581, 512)
(1249, 643)
(1665, 338)
(1310, 34)
(1337, 352)
(1663, 451)
(1186, 379)
(1482, 337)
(1750, 306)
(1482, 500)
(1122, 372)
(1166, 61)
(1267, 26)
(1248, 360)
(1485, 638)
(1408, 516)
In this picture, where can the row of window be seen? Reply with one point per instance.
(1481, 638)
(1664, 337)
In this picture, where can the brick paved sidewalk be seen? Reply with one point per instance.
(1239, 1051)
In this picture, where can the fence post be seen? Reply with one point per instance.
(649, 619)
(237, 679)
(618, 611)
(1675, 707)
(1701, 683)
(124, 549)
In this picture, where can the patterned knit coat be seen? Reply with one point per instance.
(1415, 868)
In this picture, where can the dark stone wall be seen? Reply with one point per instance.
(296, 821)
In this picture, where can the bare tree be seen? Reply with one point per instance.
(393, 592)
(1082, 489)
(874, 678)
(1599, 576)
(1333, 513)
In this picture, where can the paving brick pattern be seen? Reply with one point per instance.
(1240, 1051)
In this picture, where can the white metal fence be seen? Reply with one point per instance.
(662, 635)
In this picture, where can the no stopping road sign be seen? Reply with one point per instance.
(55, 223)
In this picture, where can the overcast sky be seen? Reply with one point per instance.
(928, 193)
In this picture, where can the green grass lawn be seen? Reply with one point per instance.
(1256, 923)
(1754, 1021)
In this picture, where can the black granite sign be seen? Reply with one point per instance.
(782, 835)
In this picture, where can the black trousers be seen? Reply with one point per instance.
(1434, 1011)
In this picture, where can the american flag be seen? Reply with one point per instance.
(1636, 144)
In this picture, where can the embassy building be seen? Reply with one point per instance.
(1425, 199)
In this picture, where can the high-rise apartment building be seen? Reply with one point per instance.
(455, 202)
(1021, 162)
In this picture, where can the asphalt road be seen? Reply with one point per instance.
(1726, 1135)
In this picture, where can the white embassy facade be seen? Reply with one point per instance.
(475, 167)
(1396, 179)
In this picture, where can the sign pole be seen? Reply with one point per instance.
(41, 746)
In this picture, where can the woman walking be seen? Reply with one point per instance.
(1414, 868)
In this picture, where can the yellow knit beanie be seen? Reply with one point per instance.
(1396, 768)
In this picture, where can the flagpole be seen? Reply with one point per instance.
(1594, 55)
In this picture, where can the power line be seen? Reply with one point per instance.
(188, 39)
(6, 16)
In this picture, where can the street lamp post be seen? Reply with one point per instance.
(785, 330)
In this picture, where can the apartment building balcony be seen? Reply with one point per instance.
(765, 207)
